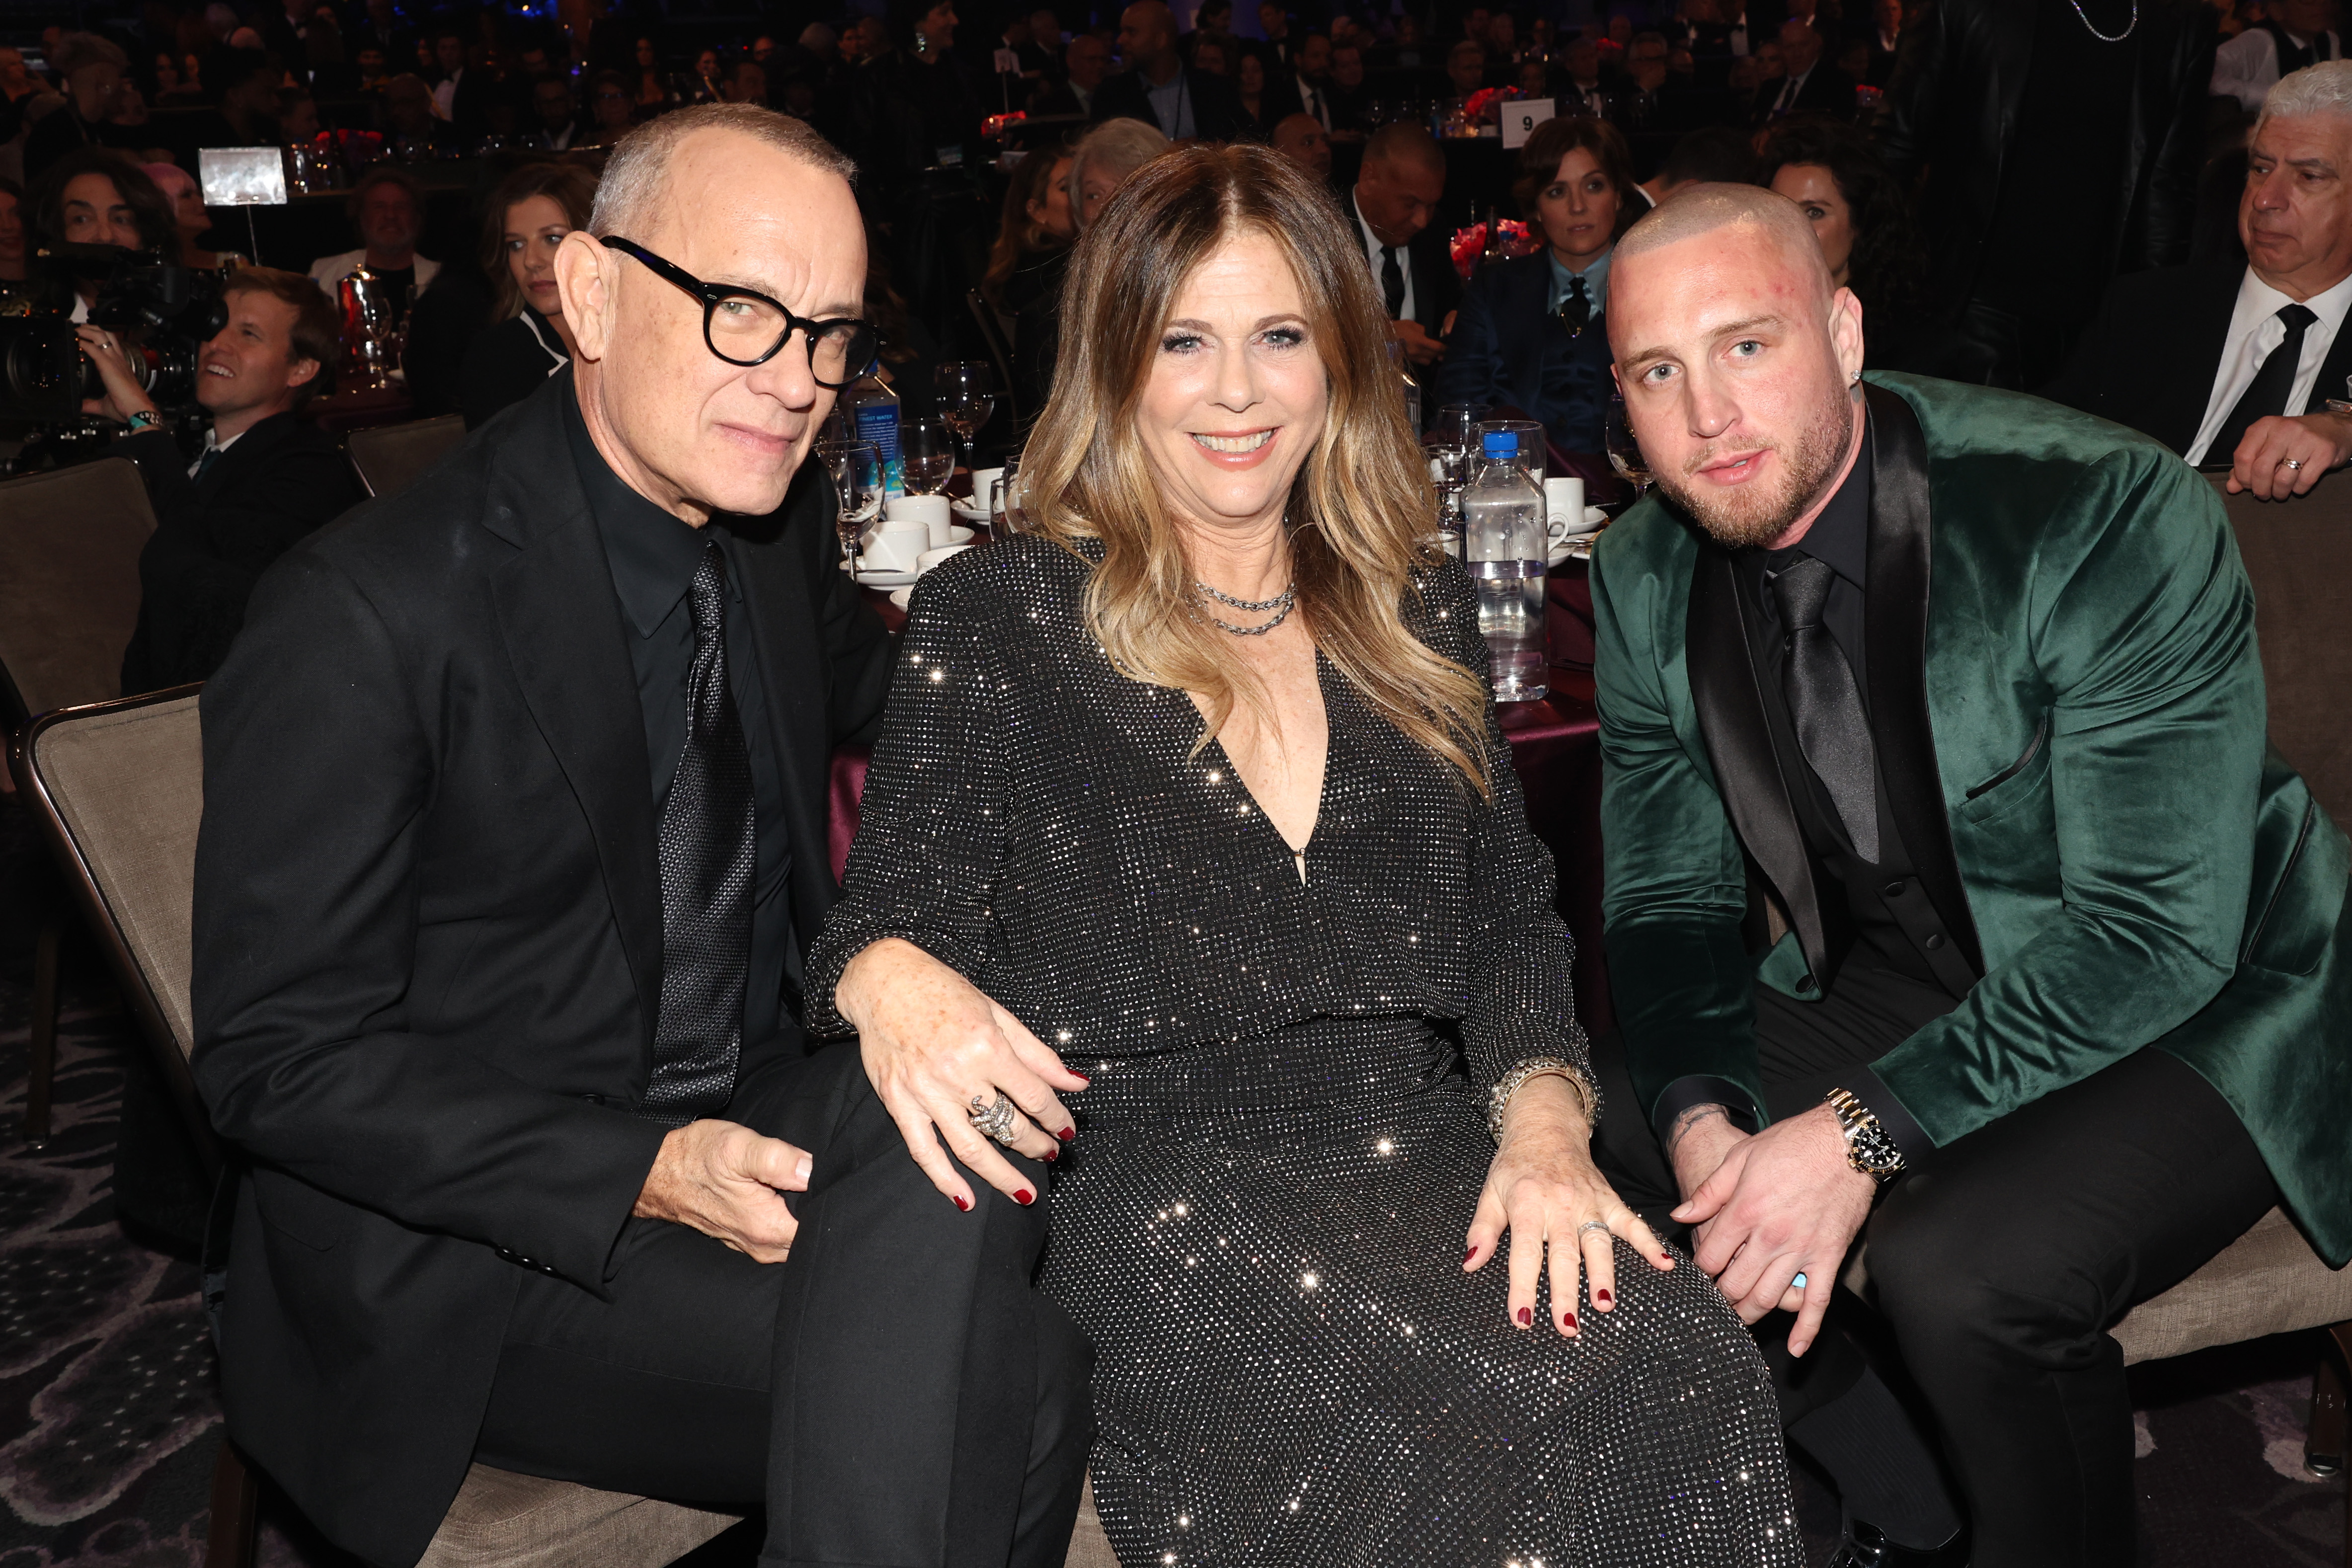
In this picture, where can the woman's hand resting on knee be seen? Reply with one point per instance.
(1544, 1189)
(934, 1045)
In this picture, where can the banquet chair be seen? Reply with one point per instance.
(2298, 556)
(69, 544)
(1000, 350)
(389, 458)
(118, 790)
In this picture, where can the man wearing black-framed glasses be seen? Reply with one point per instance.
(516, 830)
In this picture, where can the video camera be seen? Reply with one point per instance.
(166, 312)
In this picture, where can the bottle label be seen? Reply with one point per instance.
(877, 422)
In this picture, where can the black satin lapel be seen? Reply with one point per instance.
(564, 640)
(1894, 634)
(1731, 720)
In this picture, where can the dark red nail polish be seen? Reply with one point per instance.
(964, 1204)
(1527, 1315)
(1024, 1198)
(1568, 1319)
(1067, 1133)
(1602, 1297)
(1051, 1156)
(1471, 1254)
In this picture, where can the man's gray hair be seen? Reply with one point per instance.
(2323, 88)
(629, 198)
(1120, 145)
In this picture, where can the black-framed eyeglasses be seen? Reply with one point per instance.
(743, 326)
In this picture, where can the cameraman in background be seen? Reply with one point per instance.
(265, 478)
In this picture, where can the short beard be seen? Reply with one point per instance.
(1747, 517)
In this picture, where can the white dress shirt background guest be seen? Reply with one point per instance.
(387, 207)
(2296, 33)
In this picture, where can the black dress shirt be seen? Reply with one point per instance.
(1892, 925)
(653, 556)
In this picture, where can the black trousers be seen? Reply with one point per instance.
(896, 1393)
(1998, 1262)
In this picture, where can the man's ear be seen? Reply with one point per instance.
(1845, 331)
(584, 282)
(300, 372)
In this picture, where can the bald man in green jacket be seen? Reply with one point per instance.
(1953, 898)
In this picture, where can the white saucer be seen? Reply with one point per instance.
(966, 509)
(899, 597)
(874, 577)
(958, 534)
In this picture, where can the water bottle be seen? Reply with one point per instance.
(873, 410)
(1412, 387)
(1502, 544)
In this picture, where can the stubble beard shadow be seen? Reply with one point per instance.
(1744, 519)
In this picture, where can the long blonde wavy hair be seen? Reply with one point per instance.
(1361, 507)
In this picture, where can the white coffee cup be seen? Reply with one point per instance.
(980, 479)
(1564, 509)
(931, 511)
(896, 544)
(931, 558)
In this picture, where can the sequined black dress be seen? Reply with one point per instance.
(1260, 1224)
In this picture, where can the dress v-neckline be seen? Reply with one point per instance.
(1224, 762)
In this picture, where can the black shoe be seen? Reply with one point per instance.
(1865, 1547)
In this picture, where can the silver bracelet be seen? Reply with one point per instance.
(1498, 1098)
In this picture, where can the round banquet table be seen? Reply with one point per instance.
(1555, 747)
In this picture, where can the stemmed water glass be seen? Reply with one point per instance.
(927, 453)
(1003, 501)
(1624, 451)
(856, 470)
(967, 396)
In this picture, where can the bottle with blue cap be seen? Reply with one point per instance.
(1504, 545)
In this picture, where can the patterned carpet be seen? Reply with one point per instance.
(108, 1416)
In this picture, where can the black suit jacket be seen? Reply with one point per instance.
(2149, 359)
(428, 943)
(1506, 349)
(1826, 90)
(216, 536)
(1216, 106)
(1436, 287)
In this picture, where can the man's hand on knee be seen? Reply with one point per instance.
(728, 1182)
(1782, 1203)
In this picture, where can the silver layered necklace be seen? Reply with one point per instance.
(1279, 606)
(2102, 37)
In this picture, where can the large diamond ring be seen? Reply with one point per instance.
(995, 1122)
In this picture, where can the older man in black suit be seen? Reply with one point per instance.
(1159, 89)
(1394, 206)
(515, 797)
(2236, 366)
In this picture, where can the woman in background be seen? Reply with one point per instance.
(1249, 82)
(1102, 160)
(1034, 235)
(1202, 783)
(1859, 214)
(189, 217)
(1529, 334)
(529, 213)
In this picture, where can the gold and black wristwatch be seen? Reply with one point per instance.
(1868, 1149)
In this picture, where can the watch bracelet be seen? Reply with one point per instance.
(1859, 1125)
(1579, 1079)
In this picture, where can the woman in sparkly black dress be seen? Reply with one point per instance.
(1197, 789)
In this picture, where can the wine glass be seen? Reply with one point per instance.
(927, 448)
(1624, 451)
(856, 470)
(1003, 498)
(966, 389)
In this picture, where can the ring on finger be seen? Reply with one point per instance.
(994, 1121)
(1799, 1282)
(2294, 463)
(1600, 1224)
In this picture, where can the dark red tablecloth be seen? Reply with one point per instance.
(1556, 749)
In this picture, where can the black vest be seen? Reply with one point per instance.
(2291, 58)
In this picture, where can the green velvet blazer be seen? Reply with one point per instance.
(2069, 707)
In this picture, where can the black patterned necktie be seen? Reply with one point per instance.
(1576, 307)
(708, 853)
(1392, 282)
(2266, 394)
(1824, 704)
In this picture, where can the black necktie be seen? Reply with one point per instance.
(707, 849)
(1825, 705)
(205, 463)
(1576, 307)
(1392, 282)
(2266, 394)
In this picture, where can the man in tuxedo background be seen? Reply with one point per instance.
(2249, 355)
(514, 834)
(1951, 898)
(2297, 33)
(1808, 86)
(1159, 89)
(1394, 203)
